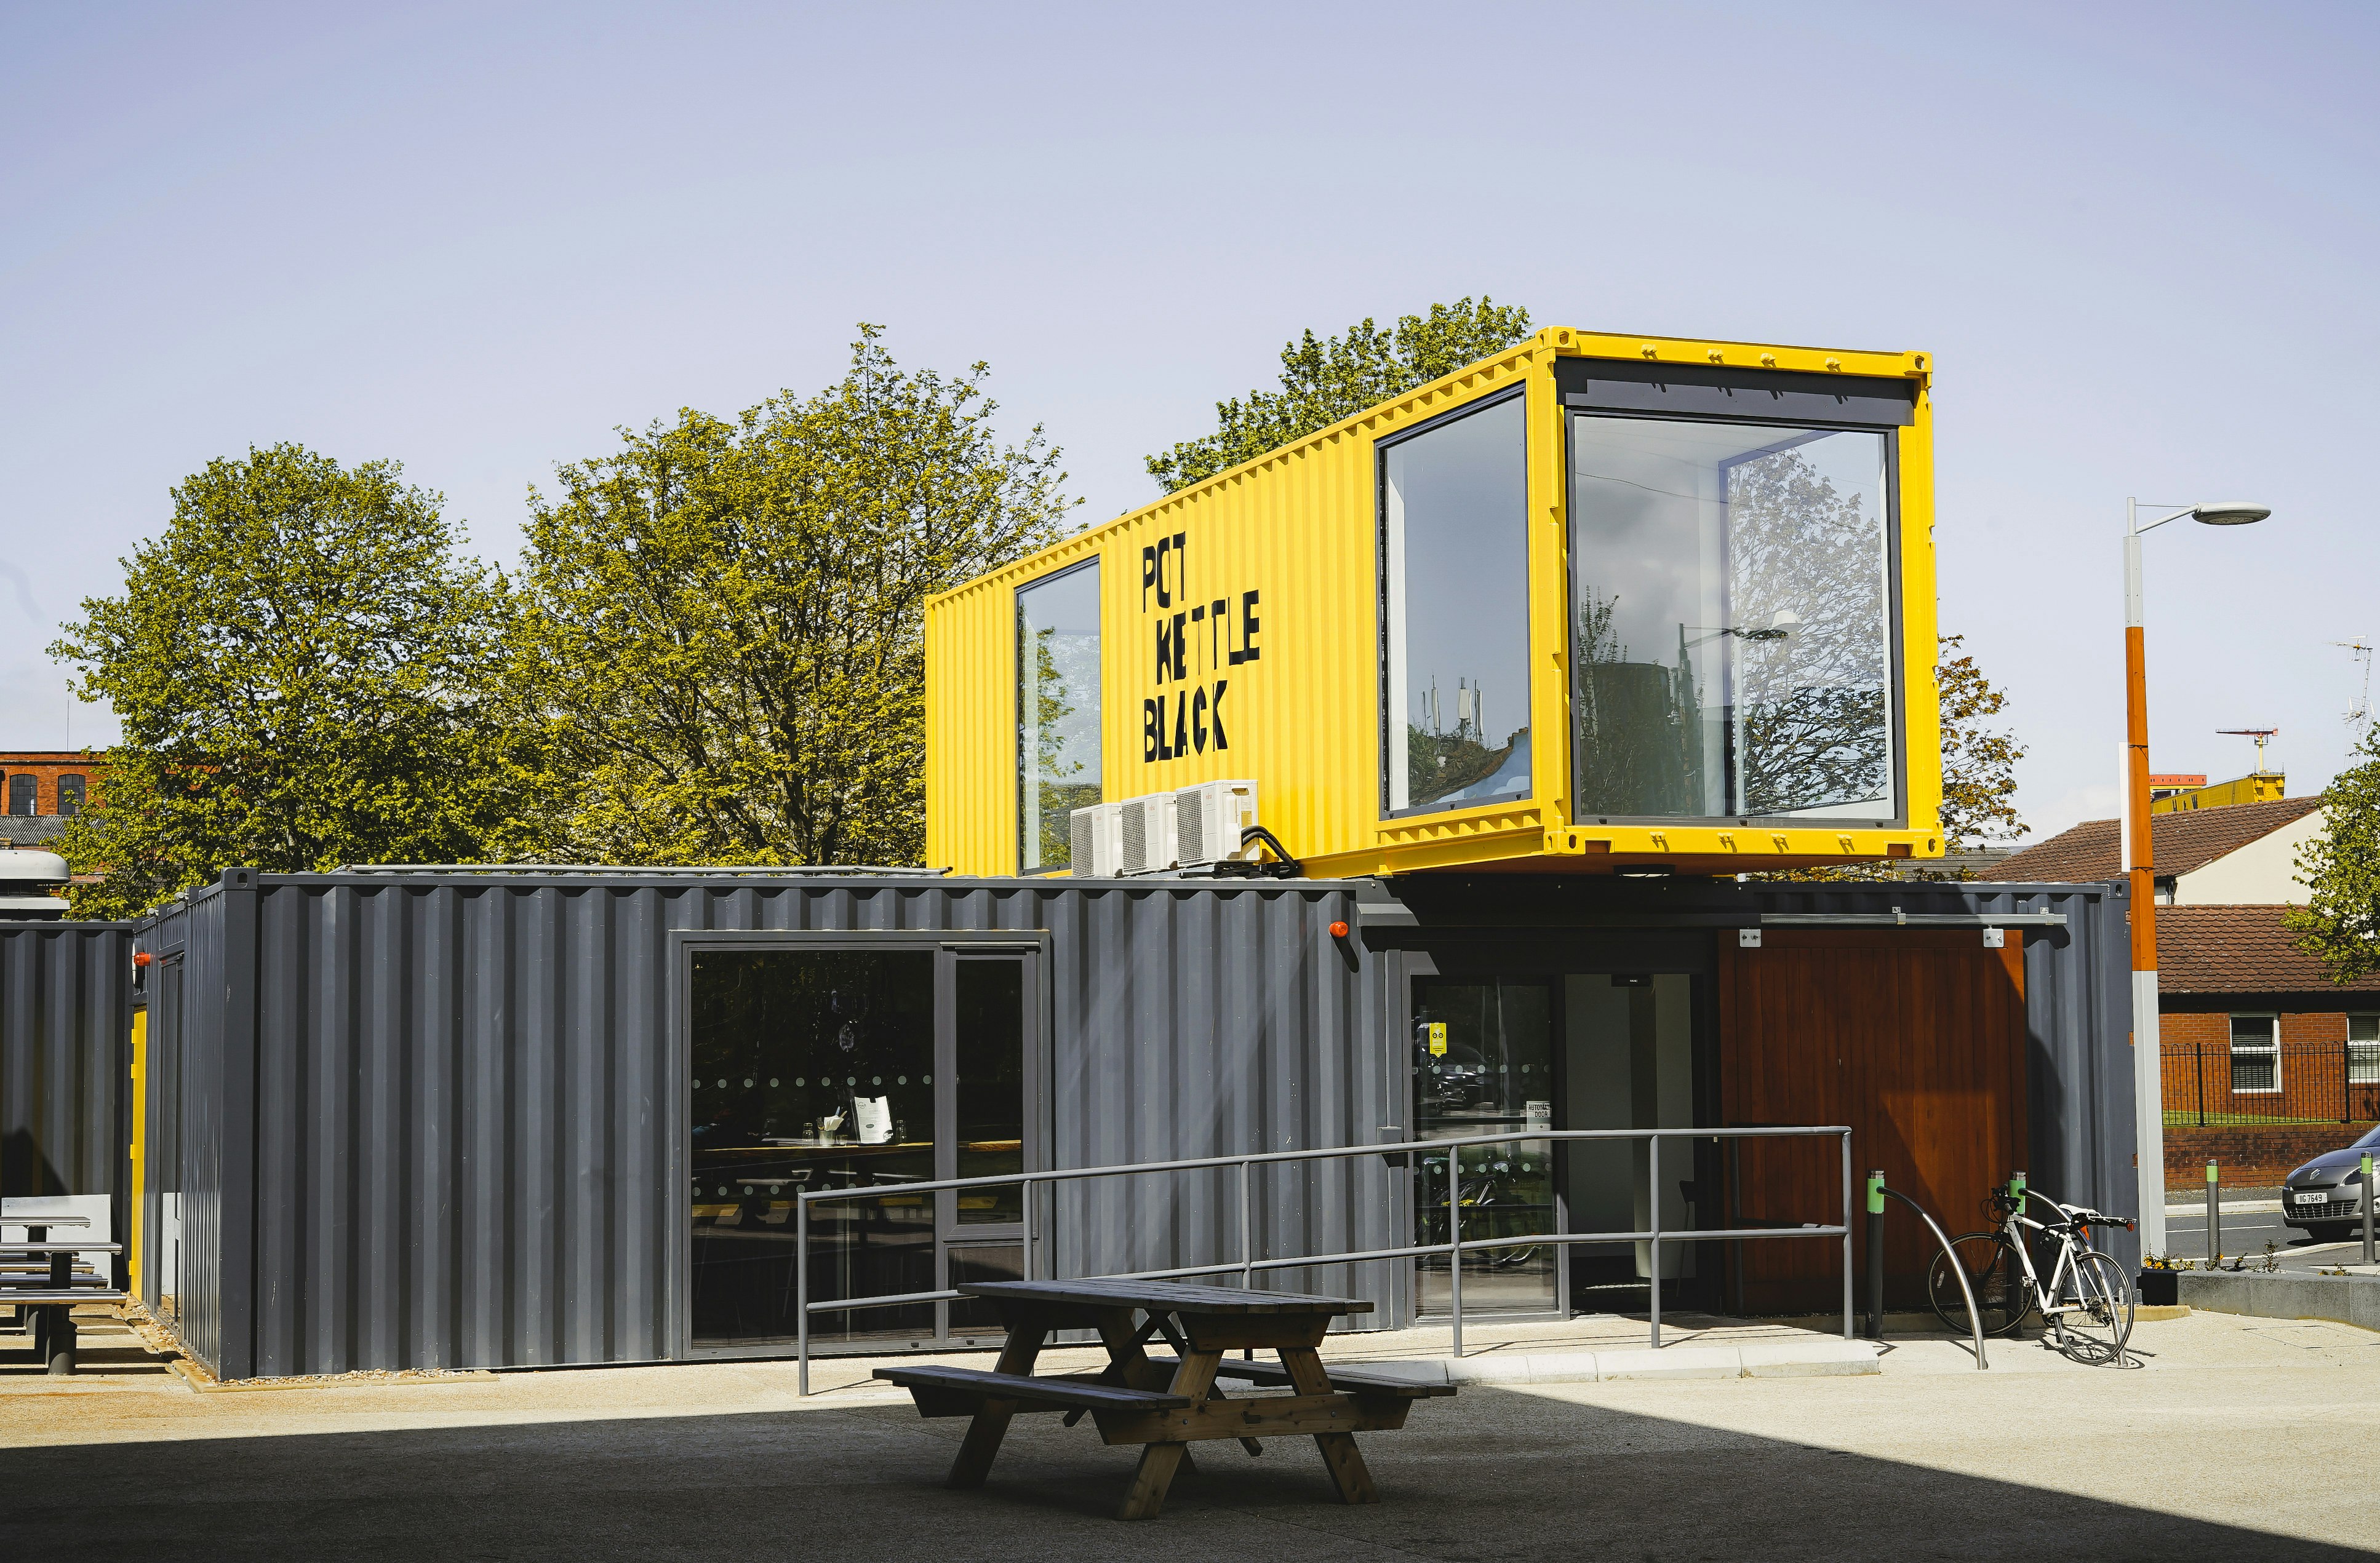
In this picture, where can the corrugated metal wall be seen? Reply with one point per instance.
(454, 1133)
(2078, 1022)
(65, 1026)
(1297, 526)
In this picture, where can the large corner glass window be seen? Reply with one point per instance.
(1455, 580)
(1057, 713)
(1732, 621)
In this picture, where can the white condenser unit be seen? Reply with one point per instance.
(1209, 818)
(1148, 834)
(1096, 837)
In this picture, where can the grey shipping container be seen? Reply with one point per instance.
(447, 1120)
(65, 1057)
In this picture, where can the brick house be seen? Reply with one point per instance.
(41, 789)
(2240, 855)
(2266, 1062)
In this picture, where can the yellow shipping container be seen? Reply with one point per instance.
(1596, 603)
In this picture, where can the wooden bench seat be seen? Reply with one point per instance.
(955, 1391)
(1353, 1380)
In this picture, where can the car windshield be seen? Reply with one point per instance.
(2370, 1142)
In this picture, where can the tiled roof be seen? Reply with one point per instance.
(2238, 949)
(2184, 842)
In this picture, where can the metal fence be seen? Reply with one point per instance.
(2222, 1085)
(1248, 1264)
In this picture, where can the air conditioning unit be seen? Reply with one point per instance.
(1096, 835)
(1148, 834)
(1209, 817)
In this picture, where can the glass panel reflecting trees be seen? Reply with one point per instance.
(1057, 713)
(1732, 621)
(1454, 590)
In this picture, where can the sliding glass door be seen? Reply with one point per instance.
(864, 1067)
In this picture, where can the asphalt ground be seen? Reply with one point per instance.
(2246, 1231)
(2201, 1447)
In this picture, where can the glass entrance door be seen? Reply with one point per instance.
(1483, 1054)
(854, 1068)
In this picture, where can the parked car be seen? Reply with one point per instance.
(2326, 1195)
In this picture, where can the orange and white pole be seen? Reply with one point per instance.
(2140, 866)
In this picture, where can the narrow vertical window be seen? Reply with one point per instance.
(1454, 627)
(2255, 1053)
(2363, 1050)
(1057, 713)
(22, 794)
(70, 795)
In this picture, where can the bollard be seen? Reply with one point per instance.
(2368, 1257)
(1876, 1257)
(2214, 1214)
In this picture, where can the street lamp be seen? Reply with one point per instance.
(2147, 1062)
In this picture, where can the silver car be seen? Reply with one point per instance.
(2326, 1195)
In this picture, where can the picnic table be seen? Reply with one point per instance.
(1168, 1403)
(38, 1274)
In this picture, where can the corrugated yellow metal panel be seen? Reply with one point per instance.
(1287, 544)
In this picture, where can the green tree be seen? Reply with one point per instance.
(720, 645)
(2340, 924)
(299, 664)
(1978, 762)
(1339, 377)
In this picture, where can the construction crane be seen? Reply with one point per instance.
(2360, 716)
(2263, 735)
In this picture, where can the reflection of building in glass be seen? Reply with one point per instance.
(1058, 712)
(1761, 554)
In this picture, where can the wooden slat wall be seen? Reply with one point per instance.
(1916, 1039)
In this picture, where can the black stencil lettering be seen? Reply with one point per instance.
(1221, 741)
(1164, 649)
(1181, 647)
(1181, 726)
(1152, 739)
(1198, 722)
(1249, 624)
(1148, 575)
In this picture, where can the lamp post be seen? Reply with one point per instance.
(2140, 860)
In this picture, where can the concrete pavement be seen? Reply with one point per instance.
(2204, 1447)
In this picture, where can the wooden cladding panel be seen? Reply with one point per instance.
(1916, 1039)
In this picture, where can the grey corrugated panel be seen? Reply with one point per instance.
(2078, 1020)
(465, 1117)
(65, 1050)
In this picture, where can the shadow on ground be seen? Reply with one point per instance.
(1515, 1477)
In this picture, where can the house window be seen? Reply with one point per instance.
(2363, 1050)
(2255, 1053)
(1732, 621)
(22, 794)
(70, 795)
(1057, 713)
(1454, 619)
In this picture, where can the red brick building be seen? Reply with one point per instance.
(49, 781)
(2266, 1061)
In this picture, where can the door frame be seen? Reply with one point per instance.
(1030, 944)
(1556, 955)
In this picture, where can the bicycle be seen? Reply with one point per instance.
(2087, 1303)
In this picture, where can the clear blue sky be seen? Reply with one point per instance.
(2139, 239)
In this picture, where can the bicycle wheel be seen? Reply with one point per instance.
(2002, 1301)
(2097, 1299)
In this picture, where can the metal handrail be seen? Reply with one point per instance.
(1247, 1264)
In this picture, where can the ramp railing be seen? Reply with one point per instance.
(1248, 1264)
